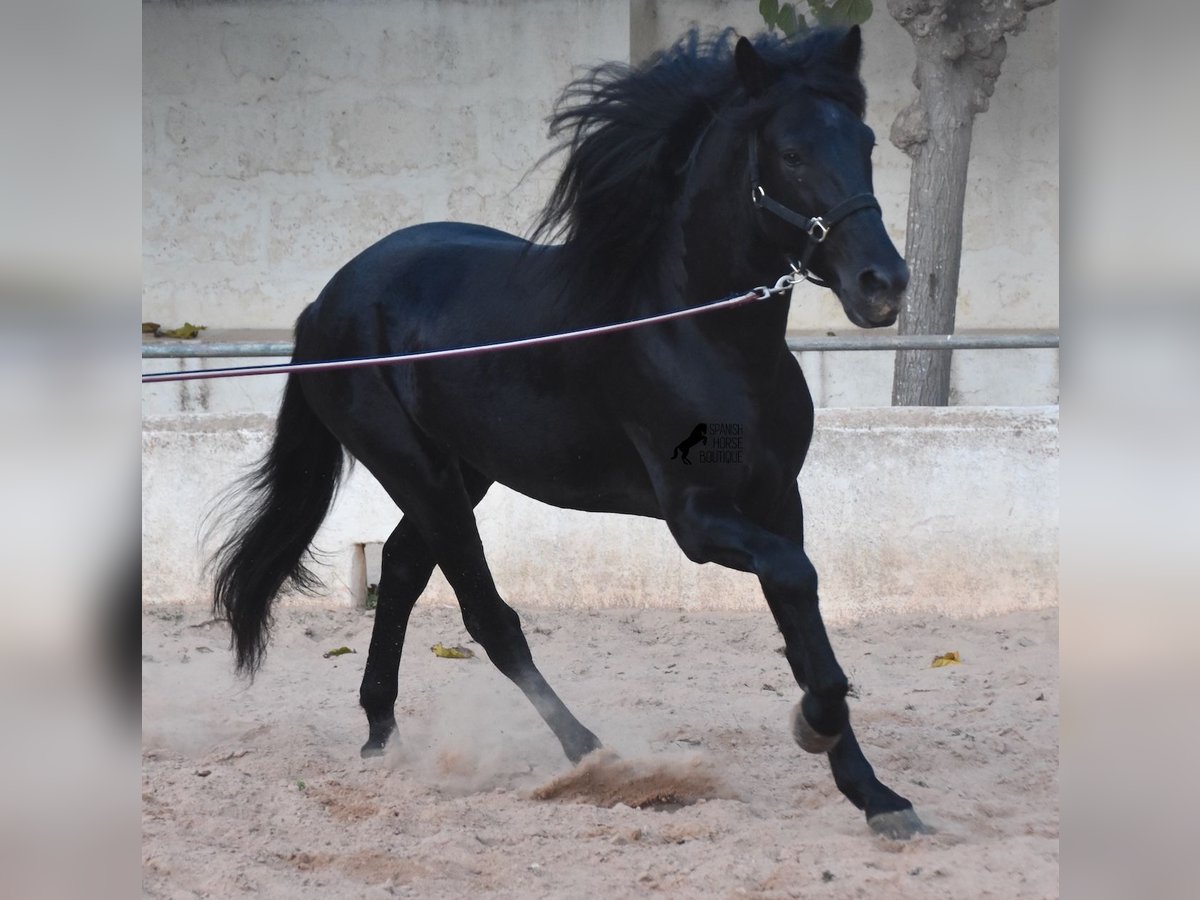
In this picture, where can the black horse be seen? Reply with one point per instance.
(699, 435)
(689, 178)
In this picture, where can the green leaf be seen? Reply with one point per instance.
(788, 23)
(821, 12)
(769, 10)
(851, 12)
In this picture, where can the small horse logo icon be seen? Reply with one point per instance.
(699, 435)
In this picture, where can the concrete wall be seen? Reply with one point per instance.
(951, 511)
(280, 138)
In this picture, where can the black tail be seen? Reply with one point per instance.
(290, 492)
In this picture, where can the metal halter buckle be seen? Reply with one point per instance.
(757, 193)
(818, 225)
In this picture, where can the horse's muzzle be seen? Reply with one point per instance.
(880, 289)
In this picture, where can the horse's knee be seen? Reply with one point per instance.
(792, 576)
(491, 623)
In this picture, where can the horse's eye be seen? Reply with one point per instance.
(791, 158)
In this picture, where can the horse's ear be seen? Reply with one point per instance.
(848, 53)
(752, 69)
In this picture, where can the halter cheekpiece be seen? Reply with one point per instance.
(816, 227)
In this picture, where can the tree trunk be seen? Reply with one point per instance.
(960, 47)
(933, 247)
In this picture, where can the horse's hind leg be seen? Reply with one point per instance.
(407, 566)
(432, 491)
(497, 627)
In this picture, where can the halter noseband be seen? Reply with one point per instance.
(816, 227)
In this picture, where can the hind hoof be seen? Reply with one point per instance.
(581, 746)
(376, 745)
(809, 739)
(899, 825)
(380, 732)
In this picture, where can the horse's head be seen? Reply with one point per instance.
(810, 157)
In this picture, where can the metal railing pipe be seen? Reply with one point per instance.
(814, 344)
(1036, 341)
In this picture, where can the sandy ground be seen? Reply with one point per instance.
(259, 788)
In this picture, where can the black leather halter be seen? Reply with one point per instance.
(816, 227)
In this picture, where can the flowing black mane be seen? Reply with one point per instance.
(632, 133)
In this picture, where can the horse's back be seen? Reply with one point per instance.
(443, 247)
(403, 291)
(447, 237)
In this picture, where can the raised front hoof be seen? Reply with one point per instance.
(809, 739)
(899, 825)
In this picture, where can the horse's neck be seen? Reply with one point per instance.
(724, 256)
(724, 251)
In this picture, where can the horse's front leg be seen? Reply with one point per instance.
(887, 812)
(710, 529)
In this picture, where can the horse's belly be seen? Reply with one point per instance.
(549, 446)
(601, 474)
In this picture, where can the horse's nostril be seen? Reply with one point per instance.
(873, 282)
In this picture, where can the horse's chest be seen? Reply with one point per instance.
(724, 413)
